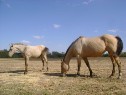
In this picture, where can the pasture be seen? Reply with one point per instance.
(37, 82)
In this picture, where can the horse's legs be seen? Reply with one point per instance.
(42, 63)
(119, 66)
(79, 64)
(26, 65)
(113, 63)
(88, 65)
(45, 58)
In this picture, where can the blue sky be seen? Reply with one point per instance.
(56, 23)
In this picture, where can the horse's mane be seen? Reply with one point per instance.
(71, 45)
(19, 44)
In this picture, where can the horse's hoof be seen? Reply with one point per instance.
(111, 76)
(78, 75)
(25, 73)
(40, 70)
(93, 75)
(47, 70)
(119, 77)
(63, 75)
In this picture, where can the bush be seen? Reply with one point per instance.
(55, 54)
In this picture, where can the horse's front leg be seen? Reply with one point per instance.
(88, 65)
(79, 65)
(26, 65)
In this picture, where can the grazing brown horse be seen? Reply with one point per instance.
(30, 51)
(93, 47)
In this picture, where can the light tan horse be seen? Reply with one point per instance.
(30, 51)
(93, 47)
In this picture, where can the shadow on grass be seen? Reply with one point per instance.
(68, 75)
(53, 74)
(15, 71)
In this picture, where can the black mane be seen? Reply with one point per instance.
(70, 46)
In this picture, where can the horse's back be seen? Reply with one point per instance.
(34, 51)
(89, 47)
(93, 47)
(98, 45)
(38, 47)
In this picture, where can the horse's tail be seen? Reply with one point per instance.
(46, 49)
(119, 45)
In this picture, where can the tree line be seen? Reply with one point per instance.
(54, 54)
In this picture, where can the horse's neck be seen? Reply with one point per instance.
(67, 57)
(21, 48)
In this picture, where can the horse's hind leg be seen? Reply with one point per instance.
(45, 58)
(88, 65)
(26, 65)
(119, 66)
(79, 65)
(113, 63)
(42, 63)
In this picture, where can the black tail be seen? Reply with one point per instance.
(119, 45)
(46, 49)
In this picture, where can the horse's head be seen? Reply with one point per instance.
(64, 68)
(12, 50)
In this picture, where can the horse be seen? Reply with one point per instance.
(30, 51)
(84, 47)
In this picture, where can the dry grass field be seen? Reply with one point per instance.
(37, 82)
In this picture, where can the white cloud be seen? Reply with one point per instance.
(37, 37)
(86, 2)
(113, 30)
(56, 26)
(25, 41)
